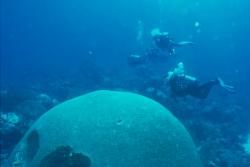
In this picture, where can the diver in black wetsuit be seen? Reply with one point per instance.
(165, 43)
(182, 84)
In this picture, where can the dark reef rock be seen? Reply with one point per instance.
(64, 156)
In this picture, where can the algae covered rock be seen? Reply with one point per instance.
(107, 129)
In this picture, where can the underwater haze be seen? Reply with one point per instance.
(52, 51)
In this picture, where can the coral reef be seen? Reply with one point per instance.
(219, 125)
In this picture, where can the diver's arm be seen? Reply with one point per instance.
(166, 78)
(183, 43)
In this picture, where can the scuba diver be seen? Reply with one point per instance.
(182, 84)
(165, 43)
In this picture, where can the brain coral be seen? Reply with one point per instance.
(107, 129)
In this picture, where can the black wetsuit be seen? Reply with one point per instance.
(165, 43)
(182, 86)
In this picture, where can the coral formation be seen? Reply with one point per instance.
(112, 129)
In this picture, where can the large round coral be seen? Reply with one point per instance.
(107, 129)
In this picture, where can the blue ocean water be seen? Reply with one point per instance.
(61, 49)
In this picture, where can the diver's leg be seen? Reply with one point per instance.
(203, 90)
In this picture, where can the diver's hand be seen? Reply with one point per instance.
(228, 88)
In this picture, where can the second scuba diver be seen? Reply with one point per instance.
(182, 84)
